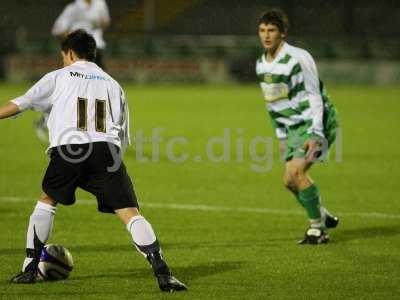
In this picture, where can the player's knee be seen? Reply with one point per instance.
(293, 177)
(126, 214)
(289, 181)
(47, 199)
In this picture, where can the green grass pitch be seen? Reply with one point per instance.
(227, 231)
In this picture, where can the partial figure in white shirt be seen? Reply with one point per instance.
(90, 15)
(88, 127)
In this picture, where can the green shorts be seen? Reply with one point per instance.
(297, 136)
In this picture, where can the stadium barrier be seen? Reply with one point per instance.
(27, 68)
(20, 68)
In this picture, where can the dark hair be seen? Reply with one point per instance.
(275, 17)
(82, 43)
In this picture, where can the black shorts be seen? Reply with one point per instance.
(96, 168)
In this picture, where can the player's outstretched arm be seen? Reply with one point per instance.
(8, 110)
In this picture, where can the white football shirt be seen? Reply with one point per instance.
(81, 15)
(85, 103)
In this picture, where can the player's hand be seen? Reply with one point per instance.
(313, 148)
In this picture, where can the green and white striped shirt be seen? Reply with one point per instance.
(291, 89)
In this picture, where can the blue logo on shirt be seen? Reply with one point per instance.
(88, 76)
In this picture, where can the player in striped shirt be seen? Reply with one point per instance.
(303, 118)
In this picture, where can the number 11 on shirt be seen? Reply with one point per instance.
(100, 115)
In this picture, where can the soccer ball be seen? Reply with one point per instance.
(55, 263)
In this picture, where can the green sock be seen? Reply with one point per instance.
(309, 199)
(298, 198)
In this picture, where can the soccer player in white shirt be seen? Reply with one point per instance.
(93, 17)
(88, 127)
(302, 116)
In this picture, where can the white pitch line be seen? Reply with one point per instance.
(212, 208)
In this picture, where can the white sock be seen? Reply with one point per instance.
(143, 235)
(40, 225)
(316, 223)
